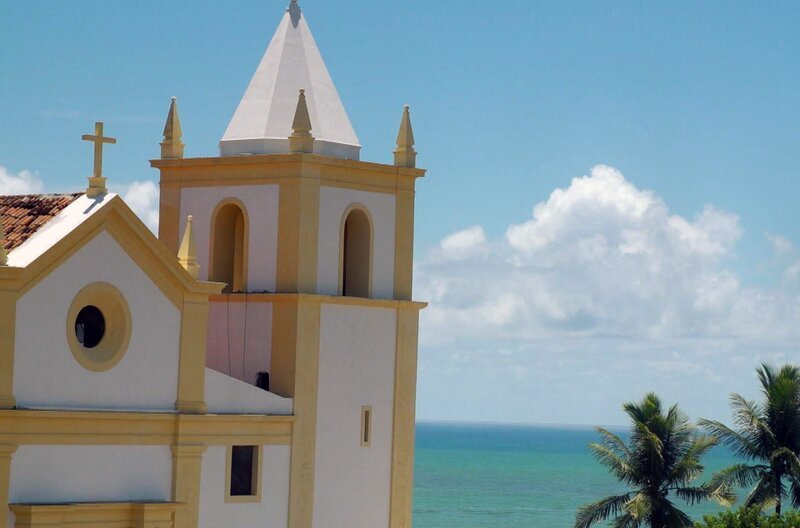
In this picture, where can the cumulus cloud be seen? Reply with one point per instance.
(603, 292)
(23, 182)
(142, 197)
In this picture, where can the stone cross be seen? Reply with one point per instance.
(97, 183)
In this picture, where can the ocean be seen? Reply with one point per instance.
(503, 476)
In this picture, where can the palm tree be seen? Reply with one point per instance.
(767, 436)
(663, 457)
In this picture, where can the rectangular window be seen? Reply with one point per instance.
(366, 425)
(243, 474)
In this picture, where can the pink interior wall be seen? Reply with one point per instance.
(239, 338)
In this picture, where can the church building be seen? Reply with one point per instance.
(252, 366)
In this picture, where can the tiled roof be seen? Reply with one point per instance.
(23, 214)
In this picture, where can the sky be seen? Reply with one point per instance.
(610, 203)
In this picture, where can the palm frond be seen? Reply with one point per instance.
(601, 510)
(620, 467)
(675, 518)
(614, 442)
(794, 491)
(731, 439)
(626, 520)
(738, 476)
(688, 467)
(763, 494)
(721, 494)
(784, 454)
(639, 507)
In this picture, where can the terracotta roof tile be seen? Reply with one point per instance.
(23, 214)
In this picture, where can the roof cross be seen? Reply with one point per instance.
(97, 184)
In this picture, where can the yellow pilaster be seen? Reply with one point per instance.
(186, 468)
(295, 360)
(8, 319)
(169, 211)
(404, 243)
(191, 367)
(405, 393)
(298, 232)
(6, 451)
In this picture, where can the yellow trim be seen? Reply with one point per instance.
(405, 386)
(187, 463)
(18, 427)
(136, 240)
(257, 462)
(295, 364)
(350, 208)
(298, 234)
(192, 358)
(366, 425)
(243, 276)
(112, 304)
(293, 298)
(128, 514)
(8, 321)
(6, 451)
(277, 168)
(105, 514)
(403, 244)
(169, 212)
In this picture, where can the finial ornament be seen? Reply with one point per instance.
(3, 252)
(301, 140)
(404, 154)
(172, 146)
(97, 183)
(187, 255)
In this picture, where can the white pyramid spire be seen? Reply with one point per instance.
(262, 123)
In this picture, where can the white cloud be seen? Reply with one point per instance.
(602, 294)
(23, 182)
(470, 242)
(142, 197)
(780, 244)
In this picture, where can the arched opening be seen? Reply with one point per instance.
(229, 247)
(356, 254)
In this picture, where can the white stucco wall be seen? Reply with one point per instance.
(332, 204)
(356, 368)
(261, 202)
(272, 511)
(47, 375)
(239, 341)
(227, 395)
(41, 474)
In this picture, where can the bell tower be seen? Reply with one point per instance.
(315, 247)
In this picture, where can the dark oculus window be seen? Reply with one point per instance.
(244, 460)
(90, 326)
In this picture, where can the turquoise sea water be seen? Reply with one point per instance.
(513, 476)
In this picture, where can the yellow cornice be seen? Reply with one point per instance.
(317, 298)
(284, 168)
(307, 159)
(137, 514)
(45, 427)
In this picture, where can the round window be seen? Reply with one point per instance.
(90, 326)
(98, 326)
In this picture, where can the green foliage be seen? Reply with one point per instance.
(750, 518)
(767, 437)
(661, 459)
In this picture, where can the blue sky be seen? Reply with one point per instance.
(695, 102)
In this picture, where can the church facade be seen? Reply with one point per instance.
(254, 364)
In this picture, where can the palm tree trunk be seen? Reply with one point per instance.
(777, 493)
